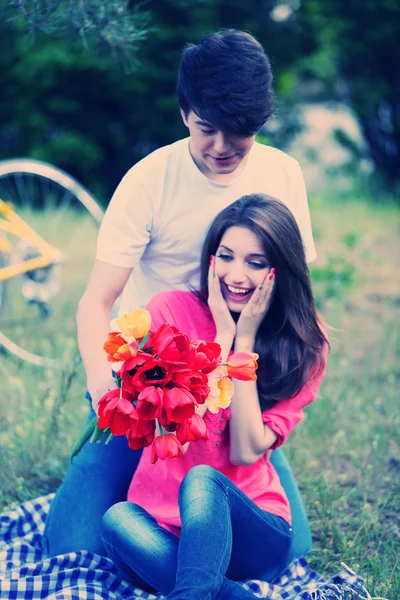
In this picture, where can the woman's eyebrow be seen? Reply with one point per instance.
(254, 254)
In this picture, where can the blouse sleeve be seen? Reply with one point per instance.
(284, 417)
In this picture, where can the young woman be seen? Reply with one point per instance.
(195, 525)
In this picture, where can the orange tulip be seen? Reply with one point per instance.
(118, 349)
(243, 366)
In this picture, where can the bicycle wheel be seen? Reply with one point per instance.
(37, 309)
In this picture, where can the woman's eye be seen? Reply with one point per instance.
(225, 257)
(256, 265)
(207, 131)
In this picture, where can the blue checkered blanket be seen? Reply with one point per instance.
(26, 573)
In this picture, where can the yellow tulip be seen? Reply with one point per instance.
(136, 324)
(221, 390)
(227, 390)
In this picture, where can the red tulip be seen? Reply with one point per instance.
(161, 338)
(179, 404)
(130, 367)
(207, 356)
(165, 422)
(194, 381)
(243, 366)
(142, 436)
(117, 412)
(153, 372)
(170, 346)
(150, 402)
(166, 446)
(192, 429)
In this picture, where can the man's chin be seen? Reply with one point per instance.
(221, 169)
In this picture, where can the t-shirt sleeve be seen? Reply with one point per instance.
(126, 227)
(301, 211)
(284, 417)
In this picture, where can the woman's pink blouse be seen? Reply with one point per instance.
(155, 487)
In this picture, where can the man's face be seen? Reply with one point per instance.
(216, 153)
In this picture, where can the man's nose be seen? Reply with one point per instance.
(221, 143)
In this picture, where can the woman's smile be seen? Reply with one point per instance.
(236, 294)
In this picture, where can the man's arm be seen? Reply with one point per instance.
(105, 284)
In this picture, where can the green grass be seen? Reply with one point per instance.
(346, 452)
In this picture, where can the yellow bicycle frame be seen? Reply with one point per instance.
(13, 224)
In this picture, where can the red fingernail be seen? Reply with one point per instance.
(271, 276)
(273, 270)
(211, 259)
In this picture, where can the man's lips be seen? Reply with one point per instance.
(223, 158)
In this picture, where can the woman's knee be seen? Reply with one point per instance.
(199, 473)
(114, 519)
(121, 518)
(128, 521)
(199, 482)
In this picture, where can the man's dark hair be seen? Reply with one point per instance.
(227, 81)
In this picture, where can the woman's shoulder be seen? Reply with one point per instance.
(176, 298)
(182, 309)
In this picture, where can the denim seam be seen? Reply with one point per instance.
(212, 591)
(128, 562)
(255, 510)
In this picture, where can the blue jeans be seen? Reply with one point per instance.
(100, 476)
(225, 537)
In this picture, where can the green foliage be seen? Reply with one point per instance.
(115, 23)
(358, 55)
(75, 106)
(332, 280)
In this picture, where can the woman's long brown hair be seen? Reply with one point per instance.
(289, 341)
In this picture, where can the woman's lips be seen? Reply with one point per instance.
(236, 297)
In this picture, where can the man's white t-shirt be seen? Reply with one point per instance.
(159, 214)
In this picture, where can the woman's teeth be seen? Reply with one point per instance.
(235, 290)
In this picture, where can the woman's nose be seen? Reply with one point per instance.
(238, 274)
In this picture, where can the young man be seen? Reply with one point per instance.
(150, 240)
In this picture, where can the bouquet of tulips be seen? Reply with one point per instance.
(162, 377)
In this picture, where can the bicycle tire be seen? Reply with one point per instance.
(72, 197)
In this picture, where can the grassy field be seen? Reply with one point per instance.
(345, 454)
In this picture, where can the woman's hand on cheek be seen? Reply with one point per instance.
(224, 323)
(254, 312)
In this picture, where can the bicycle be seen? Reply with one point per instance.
(48, 231)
